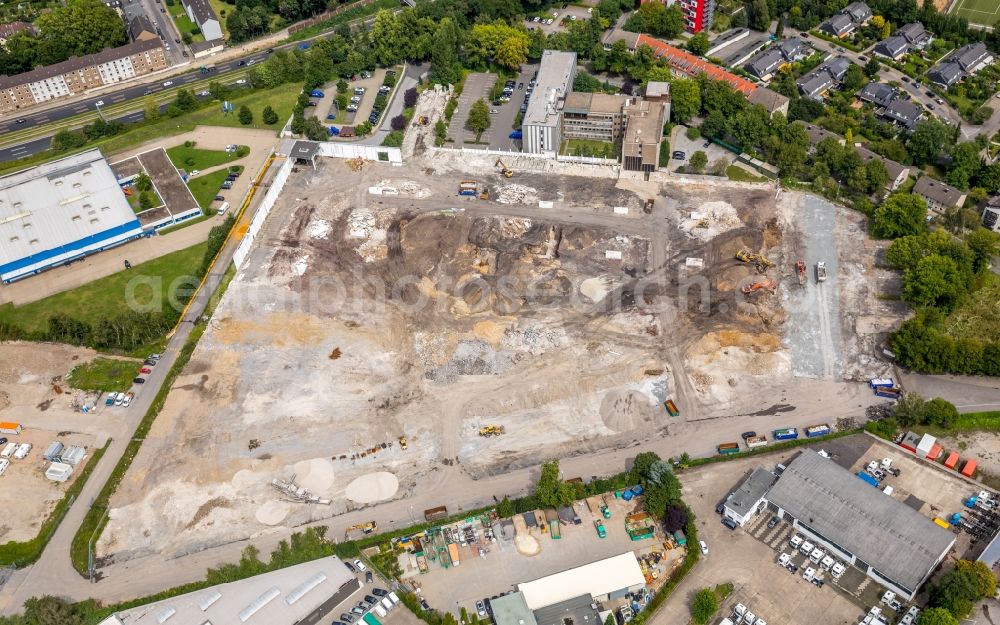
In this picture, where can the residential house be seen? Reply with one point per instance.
(903, 112)
(938, 195)
(202, 14)
(892, 48)
(916, 35)
(78, 74)
(848, 20)
(687, 64)
(773, 101)
(141, 29)
(897, 173)
(910, 37)
(963, 62)
(10, 29)
(765, 64)
(817, 134)
(616, 34)
(991, 214)
(818, 82)
(879, 94)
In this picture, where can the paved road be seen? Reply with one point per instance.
(54, 573)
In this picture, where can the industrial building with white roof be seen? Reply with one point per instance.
(893, 544)
(303, 594)
(61, 211)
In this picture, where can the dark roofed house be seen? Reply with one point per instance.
(765, 64)
(140, 28)
(892, 48)
(839, 25)
(878, 93)
(773, 101)
(837, 67)
(792, 49)
(915, 34)
(903, 112)
(973, 57)
(202, 14)
(817, 134)
(10, 29)
(858, 12)
(616, 34)
(897, 173)
(938, 195)
(946, 74)
(816, 83)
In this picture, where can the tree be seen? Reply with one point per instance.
(935, 281)
(698, 161)
(143, 182)
(245, 115)
(760, 18)
(505, 509)
(150, 109)
(872, 67)
(877, 174)
(984, 245)
(268, 116)
(314, 130)
(49, 610)
(387, 37)
(611, 617)
(685, 95)
(703, 605)
(445, 69)
(910, 409)
(940, 412)
(981, 577)
(965, 164)
(886, 30)
(900, 215)
(479, 117)
(80, 27)
(957, 589)
(498, 42)
(936, 616)
(410, 98)
(398, 122)
(878, 22)
(698, 44)
(676, 518)
(854, 78)
(551, 491)
(643, 464)
(363, 129)
(928, 141)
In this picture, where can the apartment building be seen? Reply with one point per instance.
(593, 116)
(542, 124)
(79, 74)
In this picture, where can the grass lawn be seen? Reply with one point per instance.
(205, 188)
(196, 158)
(977, 11)
(183, 22)
(133, 201)
(107, 296)
(741, 175)
(104, 374)
(977, 317)
(222, 9)
(586, 147)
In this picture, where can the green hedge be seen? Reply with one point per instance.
(22, 554)
(771, 448)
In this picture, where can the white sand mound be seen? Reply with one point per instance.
(527, 545)
(372, 487)
(315, 475)
(272, 512)
(595, 289)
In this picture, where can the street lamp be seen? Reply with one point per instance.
(98, 104)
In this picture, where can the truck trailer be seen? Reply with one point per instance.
(818, 430)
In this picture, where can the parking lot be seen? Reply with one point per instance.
(503, 122)
(502, 567)
(477, 85)
(680, 142)
(561, 17)
(370, 85)
(750, 563)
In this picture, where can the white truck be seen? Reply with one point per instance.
(22, 451)
(821, 271)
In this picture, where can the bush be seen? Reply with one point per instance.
(245, 115)
(269, 117)
(410, 97)
(703, 606)
(692, 133)
(394, 139)
(398, 122)
(449, 108)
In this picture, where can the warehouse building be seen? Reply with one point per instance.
(893, 544)
(542, 124)
(748, 498)
(59, 212)
(305, 593)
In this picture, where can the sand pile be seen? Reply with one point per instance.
(272, 512)
(596, 289)
(315, 475)
(710, 220)
(527, 545)
(372, 487)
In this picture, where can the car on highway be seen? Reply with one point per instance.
(804, 34)
(147, 92)
(168, 83)
(241, 81)
(204, 93)
(270, 51)
(20, 120)
(145, 370)
(99, 103)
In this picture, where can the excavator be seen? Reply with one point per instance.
(366, 528)
(506, 171)
(491, 430)
(762, 284)
(800, 268)
(746, 256)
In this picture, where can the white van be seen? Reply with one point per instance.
(394, 598)
(22, 451)
(9, 450)
(224, 208)
(379, 610)
(4, 463)
(386, 603)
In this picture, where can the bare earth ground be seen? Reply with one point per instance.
(33, 392)
(362, 318)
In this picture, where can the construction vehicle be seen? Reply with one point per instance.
(671, 408)
(648, 208)
(468, 188)
(491, 430)
(601, 532)
(402, 442)
(365, 528)
(506, 171)
(254, 444)
(484, 193)
(423, 120)
(800, 268)
(765, 284)
(821, 271)
(746, 256)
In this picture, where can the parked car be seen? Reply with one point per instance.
(138, 381)
(155, 356)
(355, 99)
(480, 608)
(352, 108)
(774, 521)
(347, 618)
(3, 439)
(359, 91)
(220, 198)
(679, 156)
(747, 435)
(361, 565)
(369, 577)
(731, 524)
(370, 600)
(520, 85)
(378, 592)
(128, 400)
(350, 567)
(905, 79)
(704, 547)
(194, 173)
(426, 606)
(145, 370)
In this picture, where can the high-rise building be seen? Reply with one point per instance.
(697, 13)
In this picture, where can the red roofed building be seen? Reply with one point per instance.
(685, 63)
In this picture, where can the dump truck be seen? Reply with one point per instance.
(599, 526)
(821, 271)
(800, 269)
(888, 392)
(605, 508)
(491, 430)
(671, 408)
(436, 514)
(726, 449)
(756, 441)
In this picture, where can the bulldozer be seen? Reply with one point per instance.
(484, 193)
(402, 442)
(764, 284)
(746, 256)
(422, 120)
(506, 171)
(491, 430)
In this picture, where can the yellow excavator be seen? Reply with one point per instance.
(746, 256)
(366, 528)
(491, 430)
(506, 171)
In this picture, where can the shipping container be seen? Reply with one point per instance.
(951, 460)
(818, 430)
(868, 477)
(9, 427)
(969, 468)
(453, 552)
(436, 514)
(935, 452)
(786, 434)
(886, 382)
